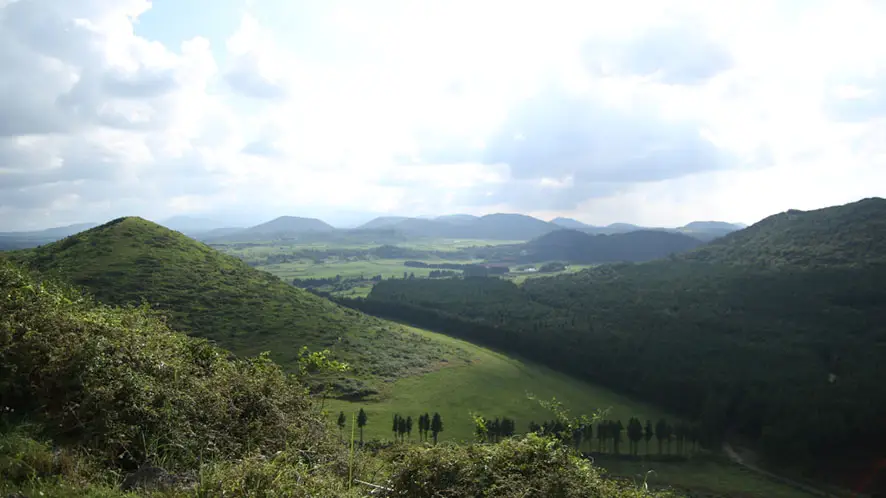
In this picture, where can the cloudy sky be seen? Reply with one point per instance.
(653, 112)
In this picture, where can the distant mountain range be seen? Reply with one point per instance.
(385, 230)
(702, 230)
(22, 240)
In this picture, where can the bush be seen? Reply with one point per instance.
(532, 466)
(120, 382)
(285, 474)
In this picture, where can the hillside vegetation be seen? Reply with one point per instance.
(774, 333)
(219, 297)
(109, 402)
(579, 247)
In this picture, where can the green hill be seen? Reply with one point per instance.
(774, 333)
(849, 235)
(579, 247)
(212, 295)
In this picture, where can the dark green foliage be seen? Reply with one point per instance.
(648, 434)
(424, 426)
(493, 431)
(661, 433)
(436, 426)
(771, 332)
(215, 296)
(362, 420)
(119, 382)
(849, 235)
(340, 422)
(579, 247)
(635, 434)
(531, 466)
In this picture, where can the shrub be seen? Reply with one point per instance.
(532, 466)
(120, 382)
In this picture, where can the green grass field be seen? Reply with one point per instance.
(385, 267)
(490, 384)
(519, 278)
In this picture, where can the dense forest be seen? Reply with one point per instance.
(773, 333)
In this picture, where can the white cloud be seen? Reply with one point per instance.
(642, 111)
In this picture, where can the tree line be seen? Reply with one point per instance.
(611, 434)
(428, 425)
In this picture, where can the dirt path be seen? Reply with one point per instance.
(737, 459)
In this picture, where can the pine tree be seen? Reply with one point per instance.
(362, 419)
(341, 424)
(601, 437)
(401, 427)
(661, 429)
(436, 426)
(635, 434)
(427, 425)
(617, 427)
(409, 427)
(648, 433)
(589, 435)
(396, 425)
(669, 431)
(577, 435)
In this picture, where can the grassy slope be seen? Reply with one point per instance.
(493, 384)
(220, 297)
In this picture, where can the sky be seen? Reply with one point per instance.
(652, 112)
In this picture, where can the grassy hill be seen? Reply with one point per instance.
(773, 333)
(207, 293)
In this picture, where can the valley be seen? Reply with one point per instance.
(475, 326)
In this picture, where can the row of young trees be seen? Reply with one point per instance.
(492, 431)
(610, 435)
(401, 426)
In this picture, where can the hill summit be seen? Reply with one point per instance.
(847, 235)
(213, 295)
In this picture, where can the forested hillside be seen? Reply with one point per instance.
(206, 293)
(775, 332)
(579, 247)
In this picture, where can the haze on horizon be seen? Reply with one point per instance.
(648, 112)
